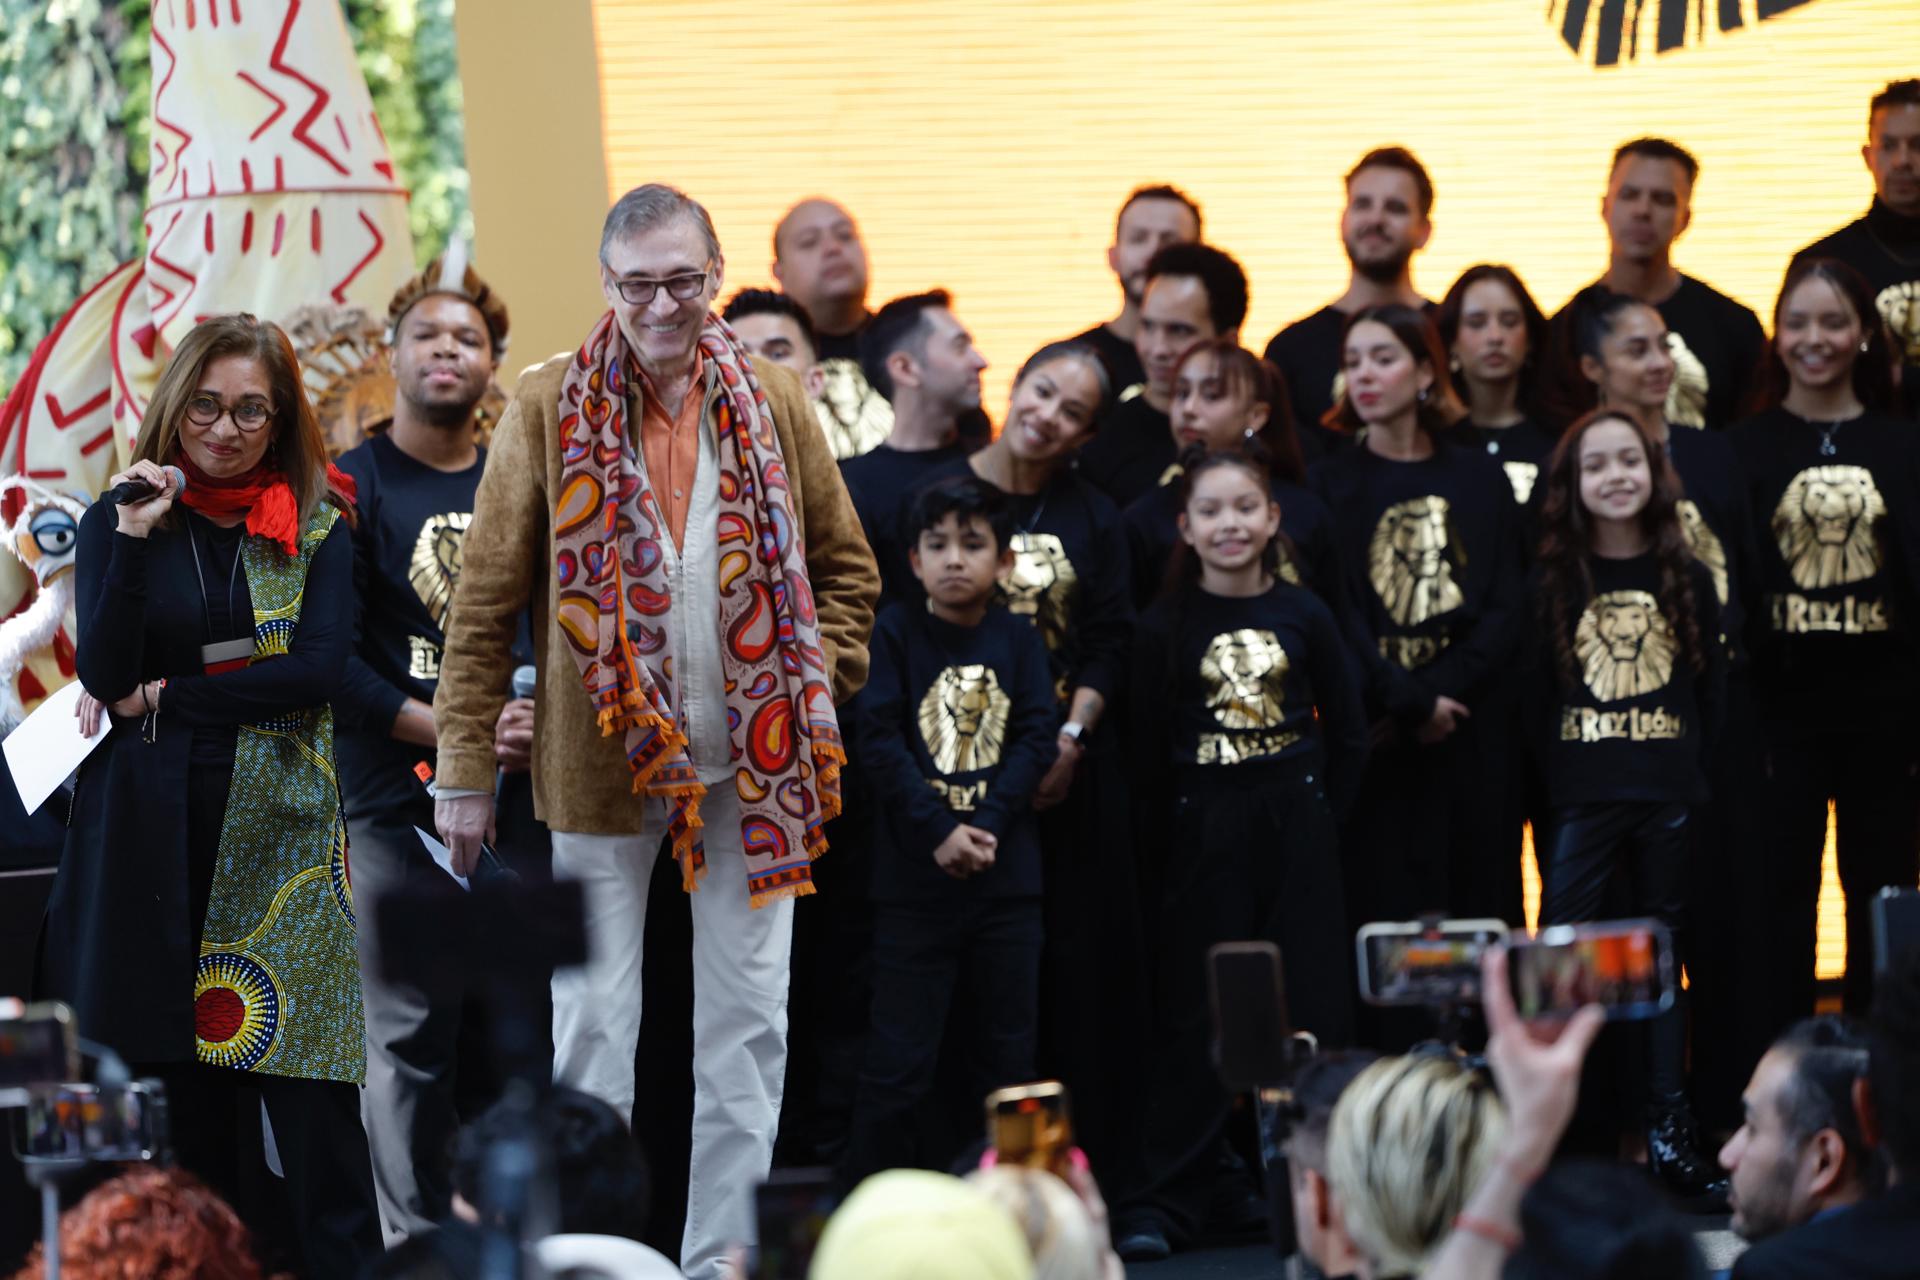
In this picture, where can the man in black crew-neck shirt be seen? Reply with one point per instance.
(1718, 345)
(415, 488)
(1152, 218)
(821, 263)
(1387, 219)
(1193, 292)
(1884, 245)
(917, 354)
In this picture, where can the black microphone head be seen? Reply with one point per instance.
(525, 679)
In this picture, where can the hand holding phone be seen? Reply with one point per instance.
(1030, 1125)
(1624, 966)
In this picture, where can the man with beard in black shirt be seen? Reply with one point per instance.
(1386, 221)
(416, 484)
(1151, 219)
(1718, 346)
(821, 263)
(1884, 246)
(1193, 292)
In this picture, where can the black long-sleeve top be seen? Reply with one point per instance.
(1153, 531)
(1130, 453)
(1838, 556)
(1521, 450)
(1719, 350)
(120, 934)
(1637, 720)
(1071, 579)
(1883, 246)
(142, 616)
(1231, 681)
(883, 483)
(956, 724)
(1430, 562)
(1714, 514)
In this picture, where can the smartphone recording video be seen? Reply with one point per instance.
(1252, 1047)
(1415, 963)
(791, 1207)
(1029, 1125)
(1624, 966)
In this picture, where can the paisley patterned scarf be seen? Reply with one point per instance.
(614, 596)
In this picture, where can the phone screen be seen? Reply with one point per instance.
(1414, 964)
(1029, 1124)
(792, 1207)
(1625, 966)
(37, 1047)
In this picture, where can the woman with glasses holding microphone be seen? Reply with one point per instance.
(201, 924)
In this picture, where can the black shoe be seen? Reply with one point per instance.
(1673, 1151)
(1139, 1237)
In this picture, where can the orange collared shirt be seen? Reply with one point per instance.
(670, 446)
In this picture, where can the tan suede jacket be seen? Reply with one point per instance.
(581, 780)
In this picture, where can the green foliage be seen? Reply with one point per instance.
(66, 215)
(75, 98)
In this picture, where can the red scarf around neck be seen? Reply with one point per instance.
(263, 494)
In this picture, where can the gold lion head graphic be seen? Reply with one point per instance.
(1040, 584)
(1899, 306)
(1705, 544)
(1826, 526)
(1687, 397)
(435, 569)
(853, 416)
(1625, 645)
(1407, 561)
(963, 719)
(1245, 672)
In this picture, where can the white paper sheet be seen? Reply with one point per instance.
(443, 856)
(46, 747)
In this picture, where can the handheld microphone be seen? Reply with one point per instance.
(140, 489)
(524, 680)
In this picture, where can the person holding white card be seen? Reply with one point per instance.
(201, 924)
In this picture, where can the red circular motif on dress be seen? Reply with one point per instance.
(217, 1015)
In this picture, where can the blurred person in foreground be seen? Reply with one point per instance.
(1063, 1219)
(150, 1223)
(1878, 1237)
(600, 1181)
(1410, 1140)
(1799, 1154)
(1320, 1230)
(910, 1224)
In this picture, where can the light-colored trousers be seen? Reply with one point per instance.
(740, 970)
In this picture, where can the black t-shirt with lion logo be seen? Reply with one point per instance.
(1632, 720)
(1431, 572)
(1836, 513)
(956, 724)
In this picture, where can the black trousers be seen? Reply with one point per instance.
(1870, 777)
(1094, 986)
(1635, 854)
(322, 1216)
(923, 952)
(1254, 859)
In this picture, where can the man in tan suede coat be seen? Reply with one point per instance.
(681, 376)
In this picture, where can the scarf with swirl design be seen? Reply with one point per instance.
(610, 533)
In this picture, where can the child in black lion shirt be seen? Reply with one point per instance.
(957, 726)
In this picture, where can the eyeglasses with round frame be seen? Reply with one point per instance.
(638, 292)
(249, 415)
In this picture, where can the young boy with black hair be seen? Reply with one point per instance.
(956, 725)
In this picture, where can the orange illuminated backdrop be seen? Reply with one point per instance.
(984, 146)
